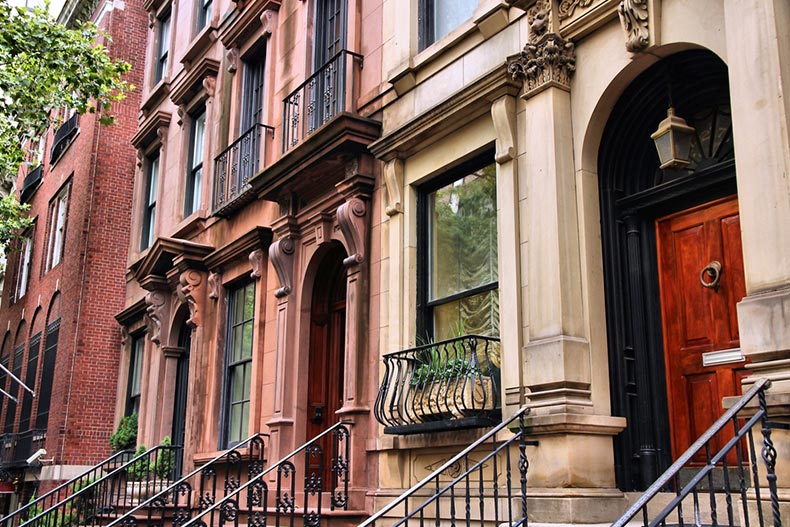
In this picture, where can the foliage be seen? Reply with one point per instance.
(138, 470)
(55, 518)
(46, 67)
(12, 218)
(82, 483)
(165, 460)
(126, 434)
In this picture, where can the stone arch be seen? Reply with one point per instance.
(53, 313)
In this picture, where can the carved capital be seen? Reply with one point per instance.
(155, 314)
(281, 254)
(214, 285)
(190, 291)
(393, 180)
(233, 59)
(503, 114)
(256, 260)
(549, 62)
(634, 19)
(352, 216)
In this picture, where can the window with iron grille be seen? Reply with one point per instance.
(458, 274)
(438, 17)
(238, 363)
(149, 207)
(194, 185)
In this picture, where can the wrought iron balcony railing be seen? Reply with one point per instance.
(16, 448)
(63, 136)
(236, 165)
(441, 386)
(326, 93)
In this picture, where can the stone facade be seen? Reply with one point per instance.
(70, 299)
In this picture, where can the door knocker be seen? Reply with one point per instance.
(712, 271)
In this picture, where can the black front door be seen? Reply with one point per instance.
(180, 400)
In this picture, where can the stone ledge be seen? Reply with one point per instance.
(575, 424)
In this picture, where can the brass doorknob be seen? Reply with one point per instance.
(712, 271)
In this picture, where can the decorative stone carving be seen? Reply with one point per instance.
(209, 83)
(281, 255)
(539, 18)
(151, 20)
(189, 289)
(351, 217)
(567, 7)
(233, 59)
(140, 158)
(256, 260)
(393, 180)
(634, 19)
(154, 312)
(214, 285)
(503, 114)
(124, 337)
(161, 133)
(550, 62)
(268, 22)
(181, 112)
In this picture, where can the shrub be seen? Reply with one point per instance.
(126, 434)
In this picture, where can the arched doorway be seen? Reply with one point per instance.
(327, 346)
(660, 229)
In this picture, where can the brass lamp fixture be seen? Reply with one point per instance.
(673, 140)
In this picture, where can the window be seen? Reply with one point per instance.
(14, 389)
(439, 17)
(44, 393)
(162, 46)
(58, 209)
(458, 276)
(195, 176)
(23, 267)
(30, 381)
(204, 13)
(135, 375)
(238, 363)
(149, 210)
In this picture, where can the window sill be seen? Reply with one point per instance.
(427, 440)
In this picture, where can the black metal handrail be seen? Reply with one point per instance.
(443, 385)
(320, 98)
(486, 480)
(179, 493)
(258, 505)
(238, 163)
(63, 135)
(122, 487)
(703, 479)
(59, 493)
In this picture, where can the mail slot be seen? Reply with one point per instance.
(715, 358)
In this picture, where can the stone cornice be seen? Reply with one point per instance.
(257, 238)
(147, 132)
(435, 123)
(167, 253)
(244, 20)
(131, 313)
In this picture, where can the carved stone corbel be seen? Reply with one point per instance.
(155, 314)
(190, 291)
(140, 158)
(634, 19)
(161, 133)
(281, 255)
(181, 112)
(151, 20)
(214, 285)
(233, 59)
(351, 216)
(209, 83)
(503, 114)
(256, 260)
(268, 21)
(393, 180)
(124, 337)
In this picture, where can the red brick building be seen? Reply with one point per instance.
(66, 281)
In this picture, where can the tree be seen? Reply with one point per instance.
(46, 66)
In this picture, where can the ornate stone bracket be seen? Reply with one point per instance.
(351, 216)
(268, 22)
(634, 19)
(256, 260)
(214, 285)
(155, 314)
(232, 57)
(393, 179)
(281, 255)
(190, 289)
(503, 113)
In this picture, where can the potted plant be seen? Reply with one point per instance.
(125, 437)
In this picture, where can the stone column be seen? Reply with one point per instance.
(758, 57)
(572, 472)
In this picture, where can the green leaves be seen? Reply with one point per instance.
(45, 67)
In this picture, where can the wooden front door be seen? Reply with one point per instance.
(699, 320)
(327, 343)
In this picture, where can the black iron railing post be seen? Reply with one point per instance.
(769, 458)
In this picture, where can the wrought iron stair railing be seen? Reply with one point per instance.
(201, 488)
(443, 385)
(236, 165)
(252, 504)
(710, 497)
(47, 500)
(326, 93)
(484, 483)
(93, 501)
